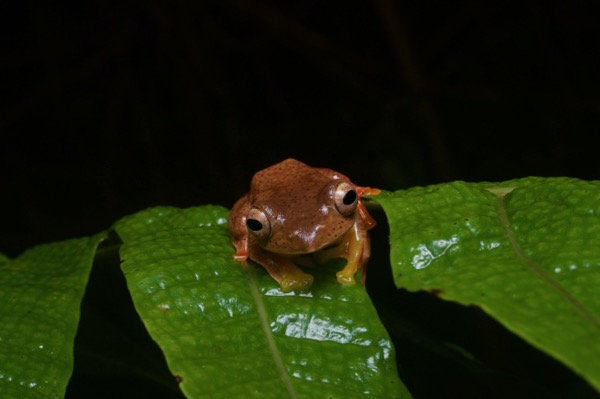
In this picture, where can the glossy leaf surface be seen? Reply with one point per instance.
(40, 296)
(228, 331)
(527, 251)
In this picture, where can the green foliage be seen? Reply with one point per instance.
(40, 295)
(215, 319)
(526, 251)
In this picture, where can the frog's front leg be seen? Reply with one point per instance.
(359, 251)
(355, 247)
(283, 270)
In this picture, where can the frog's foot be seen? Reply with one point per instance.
(241, 252)
(240, 257)
(346, 276)
(295, 279)
(283, 270)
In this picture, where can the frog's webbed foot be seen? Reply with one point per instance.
(283, 270)
(295, 279)
(239, 256)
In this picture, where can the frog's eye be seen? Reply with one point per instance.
(258, 223)
(345, 198)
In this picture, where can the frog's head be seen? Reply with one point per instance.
(305, 216)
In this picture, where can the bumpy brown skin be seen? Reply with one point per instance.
(298, 201)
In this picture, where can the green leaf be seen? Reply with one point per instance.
(40, 295)
(527, 251)
(228, 330)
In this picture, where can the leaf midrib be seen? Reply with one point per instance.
(264, 322)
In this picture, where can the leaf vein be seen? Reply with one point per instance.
(536, 268)
(285, 377)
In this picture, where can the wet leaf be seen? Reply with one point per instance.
(228, 330)
(40, 296)
(527, 251)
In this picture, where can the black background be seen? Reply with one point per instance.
(107, 109)
(111, 108)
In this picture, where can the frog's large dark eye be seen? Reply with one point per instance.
(345, 198)
(258, 223)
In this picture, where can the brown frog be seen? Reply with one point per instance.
(293, 210)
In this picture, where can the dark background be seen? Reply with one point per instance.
(111, 108)
(107, 109)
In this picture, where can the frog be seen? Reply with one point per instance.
(296, 216)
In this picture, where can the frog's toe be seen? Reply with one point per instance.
(298, 282)
(345, 277)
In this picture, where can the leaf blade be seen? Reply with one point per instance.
(215, 318)
(40, 296)
(502, 246)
